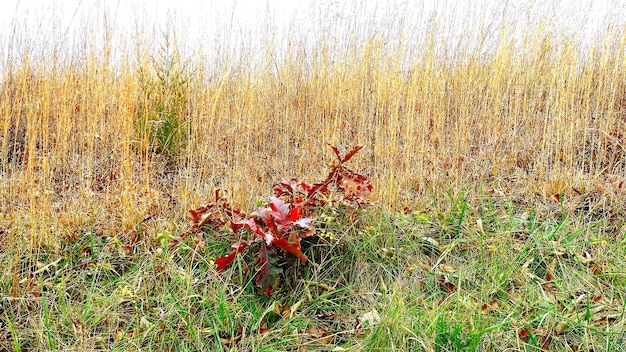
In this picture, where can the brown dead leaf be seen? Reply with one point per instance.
(263, 329)
(493, 305)
(545, 346)
(85, 252)
(443, 282)
(119, 335)
(550, 270)
(523, 333)
(607, 319)
(596, 269)
(286, 313)
(78, 327)
(326, 315)
(585, 258)
(320, 334)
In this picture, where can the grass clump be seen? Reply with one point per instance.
(387, 281)
(161, 124)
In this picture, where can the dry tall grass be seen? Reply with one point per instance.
(537, 114)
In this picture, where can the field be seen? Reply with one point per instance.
(497, 160)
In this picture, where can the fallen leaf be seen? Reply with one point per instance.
(550, 270)
(320, 334)
(262, 328)
(119, 335)
(447, 268)
(78, 327)
(371, 317)
(443, 282)
(546, 343)
(560, 327)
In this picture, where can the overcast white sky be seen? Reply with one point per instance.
(199, 13)
(202, 21)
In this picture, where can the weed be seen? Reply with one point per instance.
(279, 229)
(452, 338)
(161, 124)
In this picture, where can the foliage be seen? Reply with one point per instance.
(280, 228)
(160, 123)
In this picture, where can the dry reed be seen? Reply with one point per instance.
(535, 115)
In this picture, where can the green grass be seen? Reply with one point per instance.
(468, 273)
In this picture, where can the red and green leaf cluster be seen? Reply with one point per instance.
(341, 185)
(280, 227)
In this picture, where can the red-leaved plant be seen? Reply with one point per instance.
(280, 228)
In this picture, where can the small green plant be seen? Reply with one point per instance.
(160, 124)
(276, 232)
(452, 338)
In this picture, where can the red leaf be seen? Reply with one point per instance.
(299, 203)
(306, 224)
(280, 212)
(267, 218)
(267, 277)
(224, 261)
(210, 214)
(356, 183)
(335, 150)
(262, 328)
(195, 216)
(351, 153)
(292, 246)
(295, 213)
(250, 225)
(286, 187)
(306, 186)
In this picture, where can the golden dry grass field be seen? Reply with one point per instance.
(512, 147)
